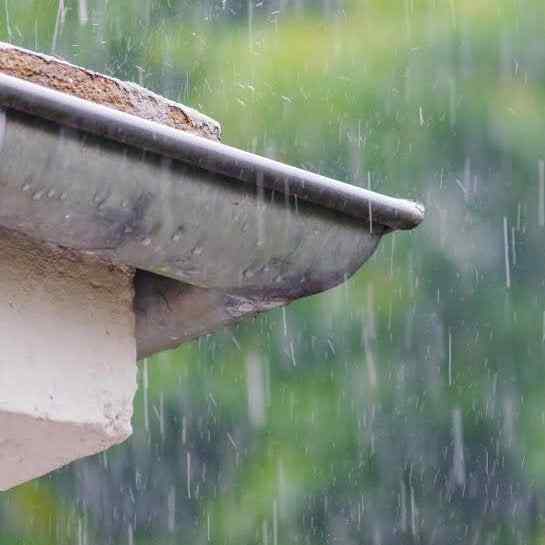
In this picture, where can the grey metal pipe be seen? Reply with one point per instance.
(215, 233)
(211, 156)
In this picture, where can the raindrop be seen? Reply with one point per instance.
(188, 472)
(506, 253)
(232, 441)
(393, 238)
(171, 509)
(83, 14)
(2, 128)
(541, 198)
(145, 384)
(255, 386)
(59, 23)
(458, 463)
(292, 354)
(449, 358)
(414, 513)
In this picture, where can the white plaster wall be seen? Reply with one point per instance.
(67, 357)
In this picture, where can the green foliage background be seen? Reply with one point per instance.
(370, 390)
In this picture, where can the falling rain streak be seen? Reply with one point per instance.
(405, 406)
(541, 195)
(2, 128)
(506, 253)
(449, 358)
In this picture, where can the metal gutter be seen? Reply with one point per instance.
(214, 233)
(235, 164)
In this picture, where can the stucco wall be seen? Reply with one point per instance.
(67, 346)
(67, 357)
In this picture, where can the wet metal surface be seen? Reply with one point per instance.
(215, 233)
(133, 207)
(235, 164)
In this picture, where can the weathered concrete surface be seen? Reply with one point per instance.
(67, 357)
(128, 97)
(169, 313)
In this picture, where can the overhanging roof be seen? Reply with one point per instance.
(217, 232)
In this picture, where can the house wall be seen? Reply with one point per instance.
(67, 326)
(67, 357)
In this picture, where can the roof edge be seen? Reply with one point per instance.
(129, 97)
(236, 164)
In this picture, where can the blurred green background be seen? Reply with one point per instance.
(406, 406)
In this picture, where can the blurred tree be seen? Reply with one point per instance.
(404, 407)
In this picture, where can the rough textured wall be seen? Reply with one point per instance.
(128, 97)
